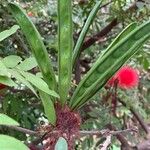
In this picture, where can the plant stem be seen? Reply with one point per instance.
(105, 132)
(23, 130)
(82, 132)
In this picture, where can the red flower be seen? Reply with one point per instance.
(127, 78)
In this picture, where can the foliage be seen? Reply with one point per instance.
(61, 144)
(13, 143)
(5, 120)
(38, 70)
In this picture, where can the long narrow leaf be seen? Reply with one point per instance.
(3, 70)
(106, 66)
(21, 79)
(7, 33)
(48, 107)
(121, 35)
(11, 61)
(36, 44)
(27, 64)
(85, 30)
(65, 47)
(38, 83)
(7, 81)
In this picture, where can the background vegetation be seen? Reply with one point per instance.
(133, 107)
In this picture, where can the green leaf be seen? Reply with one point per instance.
(7, 81)
(10, 143)
(65, 45)
(146, 63)
(121, 35)
(48, 107)
(39, 83)
(21, 79)
(106, 66)
(85, 30)
(7, 33)
(36, 44)
(5, 120)
(61, 144)
(28, 64)
(3, 70)
(39, 74)
(11, 61)
(114, 147)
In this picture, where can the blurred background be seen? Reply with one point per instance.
(99, 113)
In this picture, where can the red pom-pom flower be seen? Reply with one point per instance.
(127, 78)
